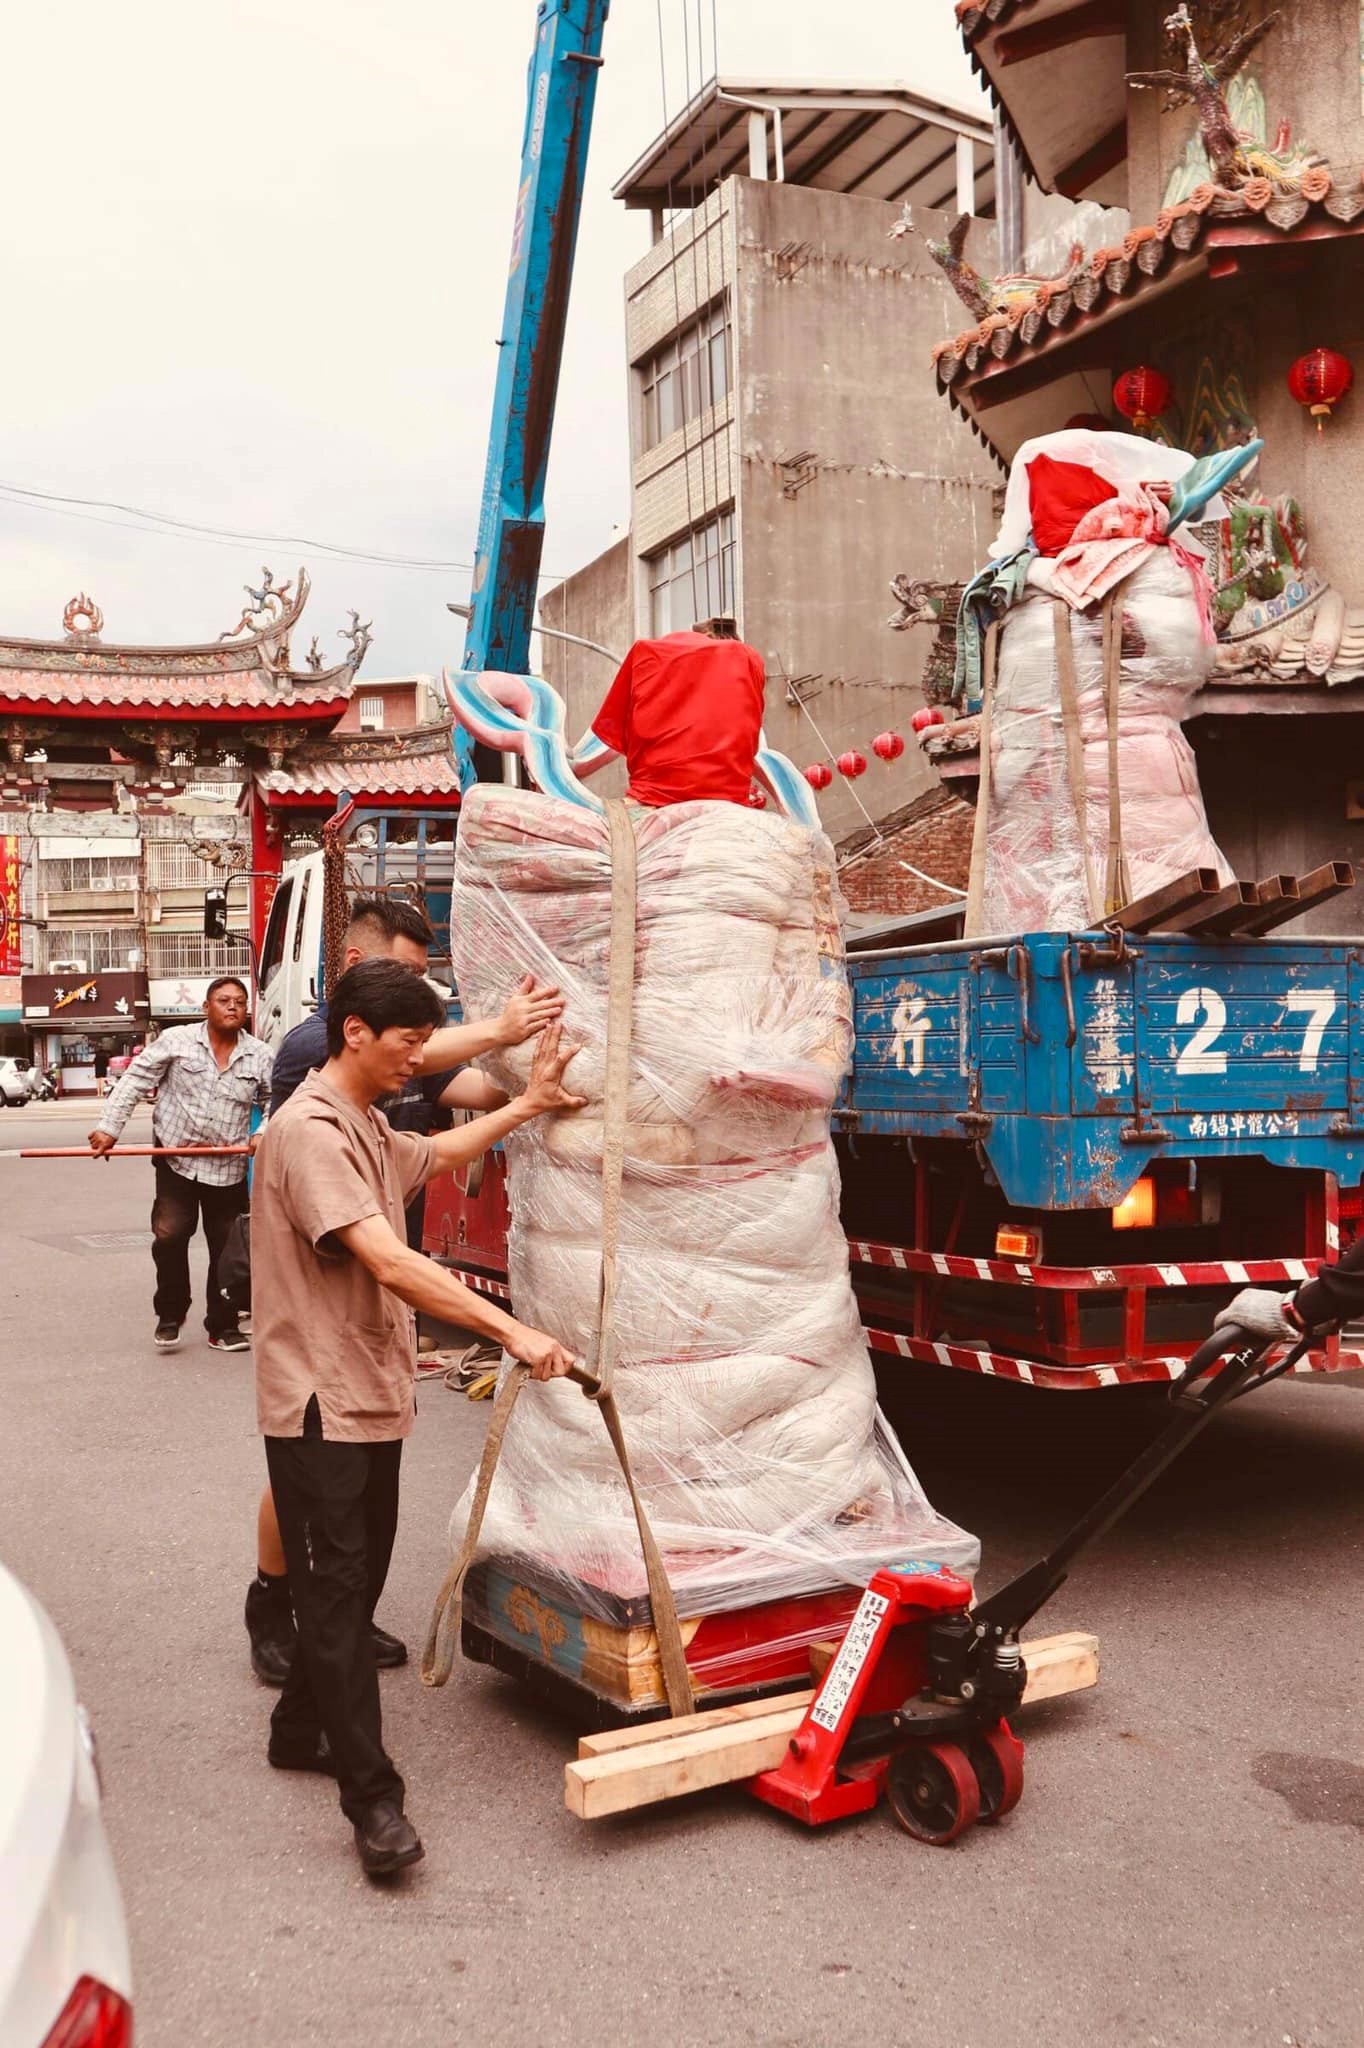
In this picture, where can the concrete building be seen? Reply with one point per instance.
(787, 458)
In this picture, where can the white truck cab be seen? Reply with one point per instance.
(291, 965)
(291, 955)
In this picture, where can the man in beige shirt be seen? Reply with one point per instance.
(335, 1357)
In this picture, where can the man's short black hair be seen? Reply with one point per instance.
(227, 981)
(382, 919)
(385, 995)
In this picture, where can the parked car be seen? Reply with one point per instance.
(64, 1969)
(16, 1081)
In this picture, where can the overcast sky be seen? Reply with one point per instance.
(253, 263)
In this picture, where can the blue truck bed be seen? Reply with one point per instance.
(1074, 1060)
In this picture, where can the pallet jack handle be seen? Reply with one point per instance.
(1197, 1394)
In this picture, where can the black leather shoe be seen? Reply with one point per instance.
(386, 1840)
(270, 1625)
(317, 1757)
(389, 1652)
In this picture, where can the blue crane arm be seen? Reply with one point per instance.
(561, 90)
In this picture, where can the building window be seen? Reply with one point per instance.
(680, 381)
(99, 952)
(174, 955)
(172, 865)
(694, 578)
(371, 714)
(88, 871)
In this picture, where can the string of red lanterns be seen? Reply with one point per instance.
(887, 746)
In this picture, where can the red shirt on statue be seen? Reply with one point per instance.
(686, 712)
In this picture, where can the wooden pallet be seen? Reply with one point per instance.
(625, 1768)
(562, 1626)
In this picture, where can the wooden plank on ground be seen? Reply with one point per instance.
(653, 1771)
(612, 1739)
(664, 1759)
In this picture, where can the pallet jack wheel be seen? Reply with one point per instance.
(933, 1792)
(996, 1757)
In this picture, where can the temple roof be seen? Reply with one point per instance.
(248, 668)
(1004, 374)
(1056, 71)
(403, 767)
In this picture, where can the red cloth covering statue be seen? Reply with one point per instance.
(686, 711)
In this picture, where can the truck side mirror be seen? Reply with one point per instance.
(215, 913)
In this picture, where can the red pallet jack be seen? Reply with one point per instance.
(917, 1699)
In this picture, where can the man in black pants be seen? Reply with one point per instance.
(380, 927)
(207, 1079)
(333, 1283)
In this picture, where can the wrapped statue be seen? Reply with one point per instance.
(742, 1379)
(1099, 593)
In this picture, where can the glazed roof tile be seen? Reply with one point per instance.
(431, 772)
(1147, 260)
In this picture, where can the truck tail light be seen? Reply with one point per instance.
(1016, 1241)
(1137, 1209)
(94, 2016)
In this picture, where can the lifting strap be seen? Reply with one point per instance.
(972, 923)
(1075, 752)
(1117, 888)
(438, 1656)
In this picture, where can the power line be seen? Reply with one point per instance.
(190, 529)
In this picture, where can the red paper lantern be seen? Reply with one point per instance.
(888, 746)
(757, 799)
(852, 764)
(1141, 395)
(819, 775)
(1320, 379)
(929, 716)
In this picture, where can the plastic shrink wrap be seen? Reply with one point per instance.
(742, 1377)
(1035, 871)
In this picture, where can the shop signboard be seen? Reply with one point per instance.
(11, 930)
(179, 996)
(76, 1002)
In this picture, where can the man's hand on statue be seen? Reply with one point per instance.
(528, 1011)
(102, 1142)
(546, 1359)
(545, 1090)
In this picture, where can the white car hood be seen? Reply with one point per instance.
(63, 1915)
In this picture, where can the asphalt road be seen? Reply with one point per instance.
(1184, 1870)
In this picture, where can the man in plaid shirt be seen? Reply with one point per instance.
(207, 1078)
